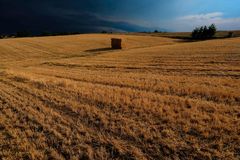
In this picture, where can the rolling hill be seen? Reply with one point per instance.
(73, 97)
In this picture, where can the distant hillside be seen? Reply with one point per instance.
(186, 35)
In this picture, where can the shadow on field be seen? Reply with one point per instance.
(99, 50)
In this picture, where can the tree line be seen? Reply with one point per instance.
(204, 32)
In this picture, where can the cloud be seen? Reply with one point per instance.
(208, 16)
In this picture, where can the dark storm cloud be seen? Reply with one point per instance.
(59, 16)
(96, 15)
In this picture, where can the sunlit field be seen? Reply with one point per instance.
(72, 97)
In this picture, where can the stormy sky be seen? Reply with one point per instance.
(116, 15)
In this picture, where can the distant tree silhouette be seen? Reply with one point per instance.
(195, 33)
(201, 32)
(212, 30)
(204, 32)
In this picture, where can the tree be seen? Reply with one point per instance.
(212, 30)
(205, 32)
(201, 32)
(195, 33)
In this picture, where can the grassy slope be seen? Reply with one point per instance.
(70, 97)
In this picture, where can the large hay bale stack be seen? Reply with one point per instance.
(116, 43)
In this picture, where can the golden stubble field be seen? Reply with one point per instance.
(72, 97)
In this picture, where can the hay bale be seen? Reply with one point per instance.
(116, 43)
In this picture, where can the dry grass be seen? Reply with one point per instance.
(73, 98)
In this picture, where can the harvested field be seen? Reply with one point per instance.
(72, 97)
